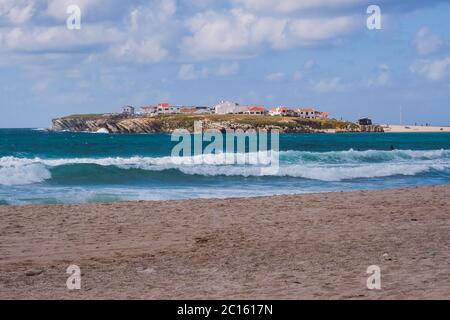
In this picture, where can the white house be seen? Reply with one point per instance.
(166, 108)
(307, 113)
(149, 110)
(128, 110)
(257, 110)
(310, 113)
(281, 111)
(227, 107)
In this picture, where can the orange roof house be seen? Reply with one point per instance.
(306, 110)
(257, 109)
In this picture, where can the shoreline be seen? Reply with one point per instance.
(414, 129)
(231, 198)
(312, 246)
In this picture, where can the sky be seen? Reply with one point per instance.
(299, 53)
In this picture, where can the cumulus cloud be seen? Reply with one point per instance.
(296, 6)
(154, 31)
(17, 11)
(149, 33)
(433, 70)
(240, 33)
(289, 6)
(145, 35)
(57, 39)
(426, 41)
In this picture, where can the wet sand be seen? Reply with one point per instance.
(315, 246)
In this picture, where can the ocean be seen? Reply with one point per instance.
(42, 167)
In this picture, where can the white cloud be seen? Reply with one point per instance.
(145, 36)
(239, 33)
(329, 85)
(289, 6)
(57, 9)
(189, 72)
(292, 7)
(18, 11)
(228, 69)
(47, 39)
(426, 41)
(150, 31)
(154, 31)
(432, 69)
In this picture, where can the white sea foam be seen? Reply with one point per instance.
(23, 174)
(324, 166)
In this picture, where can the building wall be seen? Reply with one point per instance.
(227, 107)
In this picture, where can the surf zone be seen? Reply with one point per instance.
(252, 147)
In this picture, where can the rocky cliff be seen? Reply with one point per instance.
(147, 124)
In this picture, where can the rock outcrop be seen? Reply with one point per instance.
(167, 124)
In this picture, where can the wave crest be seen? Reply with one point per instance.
(324, 166)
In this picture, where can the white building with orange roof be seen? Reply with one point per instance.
(311, 113)
(307, 113)
(166, 108)
(281, 111)
(256, 110)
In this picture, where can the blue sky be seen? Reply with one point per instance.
(270, 52)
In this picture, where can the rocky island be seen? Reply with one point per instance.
(120, 123)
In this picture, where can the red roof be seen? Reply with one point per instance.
(257, 108)
(164, 105)
(306, 110)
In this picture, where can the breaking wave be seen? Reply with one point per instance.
(323, 166)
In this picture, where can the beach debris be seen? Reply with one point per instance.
(201, 240)
(146, 270)
(386, 257)
(33, 273)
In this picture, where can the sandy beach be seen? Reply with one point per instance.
(414, 128)
(315, 246)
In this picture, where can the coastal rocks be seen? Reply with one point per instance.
(106, 124)
(167, 124)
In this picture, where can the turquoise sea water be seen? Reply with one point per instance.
(37, 166)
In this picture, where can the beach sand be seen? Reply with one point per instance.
(413, 128)
(315, 246)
